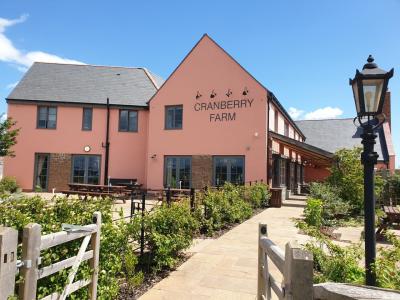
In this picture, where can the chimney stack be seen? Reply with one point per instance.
(386, 108)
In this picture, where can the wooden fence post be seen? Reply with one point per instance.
(263, 283)
(298, 273)
(8, 261)
(30, 257)
(94, 261)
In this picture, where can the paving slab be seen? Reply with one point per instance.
(226, 267)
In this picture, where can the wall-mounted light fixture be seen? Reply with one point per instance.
(256, 134)
(245, 91)
(229, 92)
(154, 156)
(198, 95)
(86, 148)
(213, 94)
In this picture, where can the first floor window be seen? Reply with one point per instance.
(41, 171)
(173, 117)
(86, 169)
(128, 120)
(178, 172)
(47, 117)
(87, 118)
(228, 169)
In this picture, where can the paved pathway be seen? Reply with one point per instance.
(226, 268)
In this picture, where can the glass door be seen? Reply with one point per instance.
(228, 169)
(178, 172)
(41, 171)
(86, 169)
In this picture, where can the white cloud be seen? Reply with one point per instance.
(324, 113)
(22, 59)
(295, 113)
(11, 85)
(3, 117)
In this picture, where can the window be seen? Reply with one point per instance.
(173, 117)
(282, 171)
(178, 171)
(86, 169)
(41, 171)
(47, 117)
(228, 169)
(286, 132)
(87, 118)
(128, 120)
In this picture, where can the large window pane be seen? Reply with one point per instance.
(228, 169)
(86, 169)
(123, 120)
(178, 172)
(132, 121)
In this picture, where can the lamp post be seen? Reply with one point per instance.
(369, 89)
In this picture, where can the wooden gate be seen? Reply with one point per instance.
(32, 244)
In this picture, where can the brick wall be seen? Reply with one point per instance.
(59, 171)
(202, 170)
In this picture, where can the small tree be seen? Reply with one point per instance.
(8, 137)
(347, 174)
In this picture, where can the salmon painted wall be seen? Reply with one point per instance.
(312, 173)
(205, 69)
(127, 150)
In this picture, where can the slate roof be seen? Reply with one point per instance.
(86, 84)
(334, 134)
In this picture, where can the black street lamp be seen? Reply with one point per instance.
(369, 89)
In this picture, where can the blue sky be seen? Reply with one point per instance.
(303, 51)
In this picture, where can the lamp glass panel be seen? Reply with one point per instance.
(355, 93)
(372, 89)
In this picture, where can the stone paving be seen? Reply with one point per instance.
(226, 268)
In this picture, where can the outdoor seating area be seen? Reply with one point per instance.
(122, 192)
(391, 220)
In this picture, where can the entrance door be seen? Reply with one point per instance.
(228, 169)
(41, 171)
(178, 171)
(86, 169)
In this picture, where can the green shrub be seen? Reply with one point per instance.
(169, 230)
(387, 266)
(19, 212)
(8, 184)
(336, 263)
(258, 195)
(313, 212)
(224, 207)
(334, 207)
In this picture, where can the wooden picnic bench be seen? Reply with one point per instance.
(392, 219)
(97, 190)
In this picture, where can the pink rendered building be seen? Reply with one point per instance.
(210, 122)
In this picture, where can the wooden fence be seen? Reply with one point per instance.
(33, 242)
(295, 264)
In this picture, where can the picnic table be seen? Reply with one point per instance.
(392, 219)
(115, 191)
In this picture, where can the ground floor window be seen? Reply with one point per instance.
(178, 171)
(41, 170)
(86, 169)
(228, 169)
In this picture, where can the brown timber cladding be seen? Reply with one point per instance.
(202, 170)
(59, 171)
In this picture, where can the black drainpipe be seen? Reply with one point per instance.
(107, 146)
